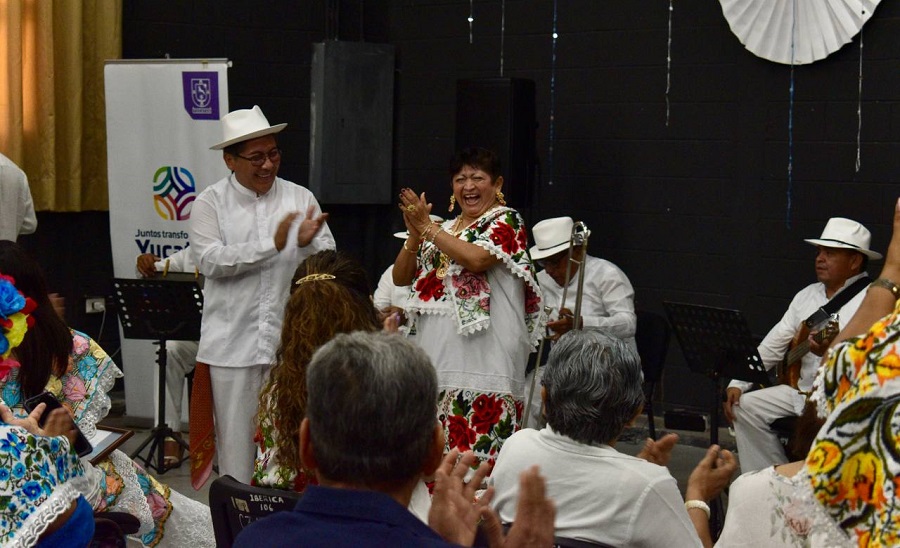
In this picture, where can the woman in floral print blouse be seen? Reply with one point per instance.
(74, 368)
(475, 302)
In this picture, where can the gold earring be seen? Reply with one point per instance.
(500, 199)
(452, 203)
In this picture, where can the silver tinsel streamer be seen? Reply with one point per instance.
(669, 62)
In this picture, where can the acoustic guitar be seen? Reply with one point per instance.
(789, 369)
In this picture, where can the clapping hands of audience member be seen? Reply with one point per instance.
(659, 451)
(394, 314)
(455, 514)
(711, 475)
(391, 322)
(59, 422)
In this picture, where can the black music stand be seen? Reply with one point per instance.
(162, 310)
(717, 343)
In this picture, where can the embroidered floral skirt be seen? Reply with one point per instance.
(478, 421)
(121, 494)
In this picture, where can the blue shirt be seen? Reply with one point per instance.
(326, 516)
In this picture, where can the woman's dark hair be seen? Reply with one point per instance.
(479, 158)
(48, 342)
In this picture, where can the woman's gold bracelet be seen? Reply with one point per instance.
(408, 249)
(435, 234)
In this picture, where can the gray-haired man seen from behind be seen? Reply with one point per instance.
(592, 389)
(369, 436)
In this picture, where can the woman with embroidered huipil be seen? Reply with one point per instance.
(72, 366)
(474, 301)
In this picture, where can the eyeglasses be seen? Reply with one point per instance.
(553, 260)
(259, 158)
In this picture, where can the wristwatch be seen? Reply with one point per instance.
(887, 284)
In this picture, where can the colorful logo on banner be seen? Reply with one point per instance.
(201, 94)
(173, 193)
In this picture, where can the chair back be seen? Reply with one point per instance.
(652, 338)
(235, 505)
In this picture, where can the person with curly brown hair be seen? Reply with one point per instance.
(329, 294)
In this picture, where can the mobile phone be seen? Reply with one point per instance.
(82, 445)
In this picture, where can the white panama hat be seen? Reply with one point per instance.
(404, 234)
(243, 125)
(846, 234)
(551, 236)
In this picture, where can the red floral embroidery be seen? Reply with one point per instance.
(430, 287)
(532, 301)
(468, 284)
(486, 411)
(504, 236)
(461, 436)
(522, 238)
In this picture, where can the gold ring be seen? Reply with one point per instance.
(411, 208)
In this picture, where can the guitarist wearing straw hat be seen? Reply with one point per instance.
(805, 331)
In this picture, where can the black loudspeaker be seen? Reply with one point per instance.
(499, 114)
(351, 122)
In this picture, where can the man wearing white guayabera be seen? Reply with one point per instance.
(248, 233)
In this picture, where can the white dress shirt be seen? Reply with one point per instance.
(16, 208)
(601, 495)
(247, 279)
(388, 294)
(607, 299)
(775, 344)
(180, 261)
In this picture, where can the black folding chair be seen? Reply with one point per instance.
(235, 505)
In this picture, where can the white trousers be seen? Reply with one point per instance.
(757, 444)
(235, 401)
(181, 358)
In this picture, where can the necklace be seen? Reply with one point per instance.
(443, 258)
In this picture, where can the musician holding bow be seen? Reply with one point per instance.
(843, 253)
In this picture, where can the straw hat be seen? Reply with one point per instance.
(245, 124)
(846, 234)
(551, 236)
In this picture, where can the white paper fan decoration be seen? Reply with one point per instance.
(819, 27)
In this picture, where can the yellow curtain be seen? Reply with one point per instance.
(52, 109)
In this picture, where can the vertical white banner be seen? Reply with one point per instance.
(161, 118)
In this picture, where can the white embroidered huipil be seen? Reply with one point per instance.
(247, 280)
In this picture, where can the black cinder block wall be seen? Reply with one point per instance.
(697, 210)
